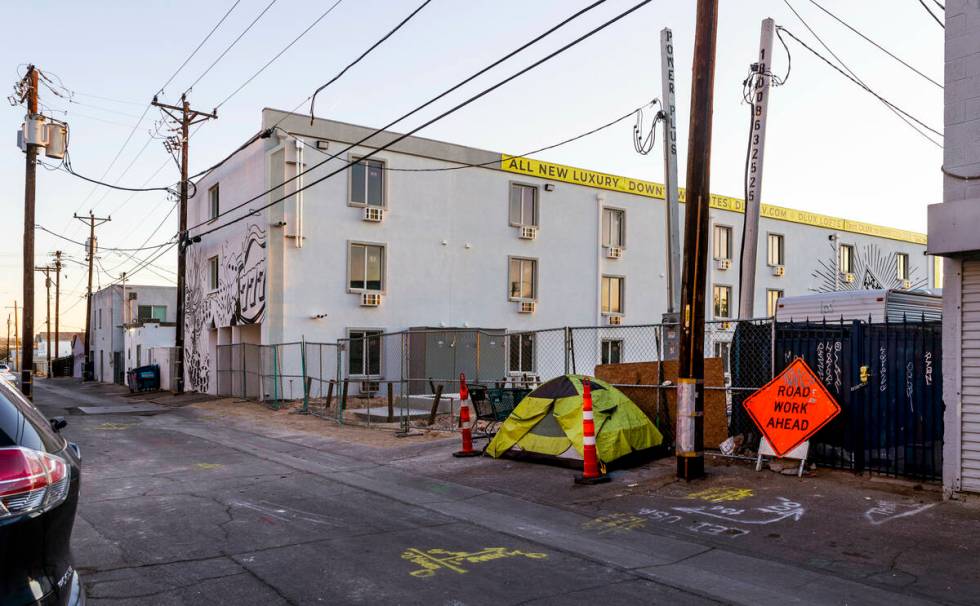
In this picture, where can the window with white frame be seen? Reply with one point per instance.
(612, 295)
(521, 353)
(613, 227)
(523, 205)
(522, 279)
(722, 242)
(364, 353)
(367, 182)
(845, 259)
(772, 301)
(213, 273)
(100, 319)
(612, 351)
(366, 267)
(902, 266)
(722, 297)
(214, 204)
(775, 255)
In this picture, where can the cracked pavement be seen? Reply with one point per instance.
(180, 507)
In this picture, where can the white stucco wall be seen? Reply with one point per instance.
(448, 240)
(108, 318)
(139, 340)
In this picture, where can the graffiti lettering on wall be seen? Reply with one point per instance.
(238, 299)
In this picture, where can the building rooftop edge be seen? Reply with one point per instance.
(454, 152)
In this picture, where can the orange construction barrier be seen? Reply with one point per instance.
(465, 421)
(591, 474)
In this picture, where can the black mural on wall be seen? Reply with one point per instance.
(239, 298)
(873, 270)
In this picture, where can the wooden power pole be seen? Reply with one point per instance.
(88, 371)
(57, 298)
(690, 381)
(46, 270)
(185, 117)
(29, 85)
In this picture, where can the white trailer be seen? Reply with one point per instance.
(867, 305)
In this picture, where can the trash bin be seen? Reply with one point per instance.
(144, 378)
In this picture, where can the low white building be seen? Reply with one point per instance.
(78, 355)
(143, 336)
(113, 308)
(435, 234)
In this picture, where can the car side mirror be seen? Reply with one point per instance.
(58, 423)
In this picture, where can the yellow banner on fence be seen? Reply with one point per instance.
(649, 189)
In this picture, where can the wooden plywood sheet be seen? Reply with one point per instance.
(660, 405)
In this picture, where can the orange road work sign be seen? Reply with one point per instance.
(792, 407)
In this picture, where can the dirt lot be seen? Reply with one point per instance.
(378, 435)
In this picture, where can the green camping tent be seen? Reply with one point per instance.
(549, 421)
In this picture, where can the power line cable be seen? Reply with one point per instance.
(378, 43)
(280, 53)
(198, 47)
(65, 167)
(853, 77)
(146, 110)
(411, 112)
(82, 244)
(873, 43)
(931, 14)
(452, 110)
(463, 165)
(231, 46)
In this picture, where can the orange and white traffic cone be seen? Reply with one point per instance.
(465, 421)
(590, 459)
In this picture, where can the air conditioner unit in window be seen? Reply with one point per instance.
(370, 299)
(528, 232)
(614, 252)
(848, 277)
(374, 214)
(526, 307)
(906, 284)
(614, 320)
(778, 270)
(723, 264)
(369, 388)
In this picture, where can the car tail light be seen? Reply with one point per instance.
(31, 481)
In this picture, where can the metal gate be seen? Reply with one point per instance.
(891, 422)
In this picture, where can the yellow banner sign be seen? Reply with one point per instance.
(649, 189)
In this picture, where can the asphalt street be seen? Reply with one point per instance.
(180, 506)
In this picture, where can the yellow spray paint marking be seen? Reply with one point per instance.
(112, 426)
(432, 560)
(722, 494)
(208, 465)
(615, 523)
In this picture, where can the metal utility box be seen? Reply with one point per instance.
(866, 305)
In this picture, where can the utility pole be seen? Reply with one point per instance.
(29, 85)
(671, 198)
(88, 372)
(7, 360)
(46, 270)
(760, 82)
(57, 298)
(185, 117)
(690, 381)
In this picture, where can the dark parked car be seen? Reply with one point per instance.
(39, 479)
